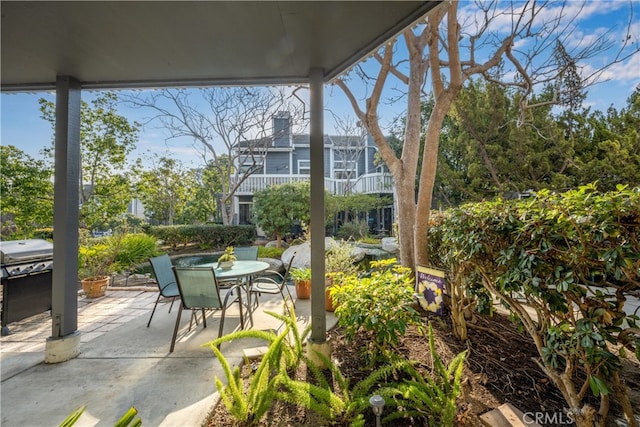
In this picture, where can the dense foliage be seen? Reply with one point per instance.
(575, 259)
(132, 249)
(102, 256)
(485, 152)
(27, 193)
(431, 399)
(204, 236)
(379, 305)
(279, 208)
(106, 139)
(165, 189)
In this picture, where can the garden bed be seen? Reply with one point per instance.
(499, 368)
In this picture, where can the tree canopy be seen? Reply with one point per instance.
(26, 193)
(231, 127)
(525, 40)
(279, 208)
(106, 139)
(165, 190)
(484, 154)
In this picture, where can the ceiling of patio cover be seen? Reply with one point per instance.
(184, 43)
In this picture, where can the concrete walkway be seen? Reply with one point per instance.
(123, 363)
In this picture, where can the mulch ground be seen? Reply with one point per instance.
(499, 368)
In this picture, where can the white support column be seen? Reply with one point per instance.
(318, 313)
(65, 338)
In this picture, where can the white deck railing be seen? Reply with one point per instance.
(370, 183)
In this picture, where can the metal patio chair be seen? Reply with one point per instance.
(272, 282)
(166, 280)
(246, 253)
(199, 290)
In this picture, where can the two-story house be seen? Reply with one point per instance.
(350, 167)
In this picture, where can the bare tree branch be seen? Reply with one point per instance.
(232, 126)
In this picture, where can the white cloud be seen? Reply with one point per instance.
(627, 71)
(580, 39)
(564, 16)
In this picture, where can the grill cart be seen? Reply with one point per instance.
(26, 278)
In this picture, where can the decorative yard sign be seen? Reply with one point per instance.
(430, 287)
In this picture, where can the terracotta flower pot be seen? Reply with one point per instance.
(303, 289)
(328, 301)
(95, 288)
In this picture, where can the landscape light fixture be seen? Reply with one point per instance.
(377, 404)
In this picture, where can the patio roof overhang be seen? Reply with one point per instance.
(191, 43)
(72, 45)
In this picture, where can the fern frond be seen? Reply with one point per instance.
(363, 386)
(233, 394)
(318, 373)
(318, 399)
(245, 333)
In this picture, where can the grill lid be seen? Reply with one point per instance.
(17, 251)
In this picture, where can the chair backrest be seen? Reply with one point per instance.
(246, 254)
(163, 272)
(198, 287)
(285, 276)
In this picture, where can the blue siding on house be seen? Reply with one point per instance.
(281, 129)
(361, 164)
(371, 166)
(300, 139)
(299, 154)
(371, 149)
(327, 162)
(282, 153)
(277, 163)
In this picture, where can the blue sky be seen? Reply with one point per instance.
(22, 126)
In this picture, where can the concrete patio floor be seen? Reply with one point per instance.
(122, 363)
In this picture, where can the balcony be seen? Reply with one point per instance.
(376, 183)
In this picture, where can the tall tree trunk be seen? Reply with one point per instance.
(405, 190)
(428, 176)
(443, 98)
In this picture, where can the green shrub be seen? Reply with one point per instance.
(407, 391)
(43, 233)
(204, 236)
(379, 304)
(299, 274)
(573, 258)
(132, 249)
(339, 259)
(353, 230)
(95, 260)
(270, 252)
(370, 240)
(285, 351)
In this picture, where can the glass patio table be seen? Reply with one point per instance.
(240, 270)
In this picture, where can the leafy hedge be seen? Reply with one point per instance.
(204, 236)
(573, 258)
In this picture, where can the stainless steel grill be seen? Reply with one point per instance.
(26, 276)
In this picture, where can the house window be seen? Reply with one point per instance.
(248, 164)
(345, 169)
(304, 167)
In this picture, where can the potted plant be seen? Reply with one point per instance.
(338, 262)
(302, 279)
(95, 267)
(225, 261)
